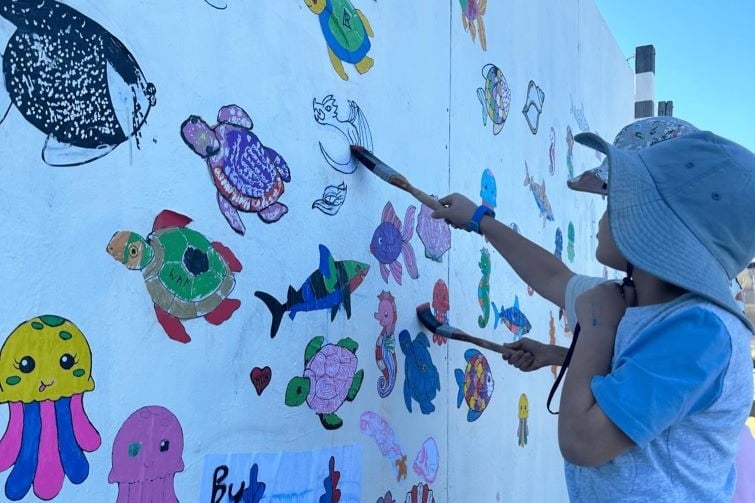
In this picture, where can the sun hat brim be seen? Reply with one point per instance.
(650, 235)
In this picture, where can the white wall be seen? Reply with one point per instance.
(421, 104)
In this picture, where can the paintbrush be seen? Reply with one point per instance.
(390, 175)
(428, 320)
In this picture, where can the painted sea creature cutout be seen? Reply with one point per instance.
(330, 378)
(332, 199)
(390, 240)
(538, 192)
(73, 80)
(435, 234)
(523, 431)
(186, 275)
(248, 176)
(475, 384)
(420, 493)
(332, 492)
(495, 97)
(483, 288)
(570, 152)
(488, 189)
(260, 378)
(329, 287)
(385, 346)
(513, 318)
(552, 153)
(45, 369)
(354, 128)
(559, 243)
(552, 339)
(347, 34)
(441, 304)
(579, 116)
(570, 242)
(388, 498)
(471, 14)
(421, 378)
(147, 454)
(533, 106)
(377, 427)
(427, 461)
(255, 491)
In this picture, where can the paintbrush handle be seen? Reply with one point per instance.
(396, 179)
(498, 348)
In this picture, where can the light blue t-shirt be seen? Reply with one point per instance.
(680, 387)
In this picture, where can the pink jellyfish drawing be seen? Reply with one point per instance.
(147, 455)
(45, 368)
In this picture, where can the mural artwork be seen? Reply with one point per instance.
(73, 80)
(330, 378)
(377, 427)
(579, 116)
(388, 498)
(538, 192)
(570, 242)
(435, 234)
(495, 97)
(427, 461)
(248, 175)
(390, 240)
(260, 378)
(570, 152)
(332, 199)
(483, 289)
(332, 492)
(420, 493)
(523, 431)
(147, 454)
(216, 4)
(45, 369)
(552, 153)
(513, 318)
(329, 287)
(385, 346)
(559, 243)
(441, 304)
(488, 189)
(347, 34)
(186, 275)
(421, 378)
(475, 384)
(354, 128)
(471, 14)
(533, 106)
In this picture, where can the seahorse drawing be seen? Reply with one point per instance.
(483, 290)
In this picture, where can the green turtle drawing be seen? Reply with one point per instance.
(186, 275)
(330, 378)
(347, 33)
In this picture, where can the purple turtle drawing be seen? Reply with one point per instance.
(389, 241)
(248, 175)
(147, 454)
(330, 378)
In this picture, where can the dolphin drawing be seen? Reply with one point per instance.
(329, 287)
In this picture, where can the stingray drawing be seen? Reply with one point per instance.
(355, 128)
(73, 80)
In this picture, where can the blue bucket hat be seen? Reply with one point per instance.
(682, 210)
(639, 134)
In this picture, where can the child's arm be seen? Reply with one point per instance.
(586, 436)
(528, 354)
(538, 267)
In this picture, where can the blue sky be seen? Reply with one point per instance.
(705, 57)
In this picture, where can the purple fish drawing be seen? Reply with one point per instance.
(389, 241)
(541, 198)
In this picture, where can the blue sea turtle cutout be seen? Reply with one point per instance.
(73, 80)
(422, 381)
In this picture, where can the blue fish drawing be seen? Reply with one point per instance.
(329, 287)
(389, 241)
(513, 318)
(73, 80)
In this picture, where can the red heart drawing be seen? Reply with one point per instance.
(261, 378)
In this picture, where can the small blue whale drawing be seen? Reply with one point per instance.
(73, 80)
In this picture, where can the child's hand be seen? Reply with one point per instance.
(604, 306)
(527, 354)
(457, 210)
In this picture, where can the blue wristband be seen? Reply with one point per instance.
(481, 211)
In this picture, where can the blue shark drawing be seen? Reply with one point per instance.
(329, 287)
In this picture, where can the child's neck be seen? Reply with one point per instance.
(652, 290)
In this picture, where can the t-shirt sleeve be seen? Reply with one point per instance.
(674, 368)
(577, 285)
